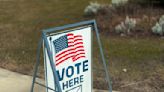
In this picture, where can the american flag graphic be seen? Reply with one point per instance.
(68, 46)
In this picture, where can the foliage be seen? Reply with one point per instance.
(159, 27)
(92, 8)
(126, 26)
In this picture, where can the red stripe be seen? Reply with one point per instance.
(77, 36)
(65, 55)
(79, 47)
(70, 34)
(70, 45)
(78, 58)
(68, 58)
(70, 42)
(82, 53)
(64, 52)
(63, 60)
(78, 43)
(77, 40)
(81, 50)
(71, 55)
(70, 38)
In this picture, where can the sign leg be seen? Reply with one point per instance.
(103, 58)
(37, 64)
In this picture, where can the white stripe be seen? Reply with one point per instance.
(64, 53)
(70, 55)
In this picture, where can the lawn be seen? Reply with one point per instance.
(21, 22)
(141, 57)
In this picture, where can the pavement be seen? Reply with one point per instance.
(15, 82)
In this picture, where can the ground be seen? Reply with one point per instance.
(12, 80)
(135, 63)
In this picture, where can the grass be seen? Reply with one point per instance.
(142, 57)
(21, 22)
(135, 54)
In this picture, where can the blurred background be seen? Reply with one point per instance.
(131, 31)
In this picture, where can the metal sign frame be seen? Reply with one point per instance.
(55, 29)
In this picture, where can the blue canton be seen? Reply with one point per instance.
(61, 43)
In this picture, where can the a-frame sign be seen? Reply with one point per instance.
(68, 58)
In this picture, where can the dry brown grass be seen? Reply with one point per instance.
(22, 20)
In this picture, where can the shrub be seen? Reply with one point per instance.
(120, 28)
(92, 8)
(126, 26)
(159, 27)
(130, 23)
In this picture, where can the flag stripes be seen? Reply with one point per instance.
(74, 48)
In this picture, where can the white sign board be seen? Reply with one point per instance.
(71, 52)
